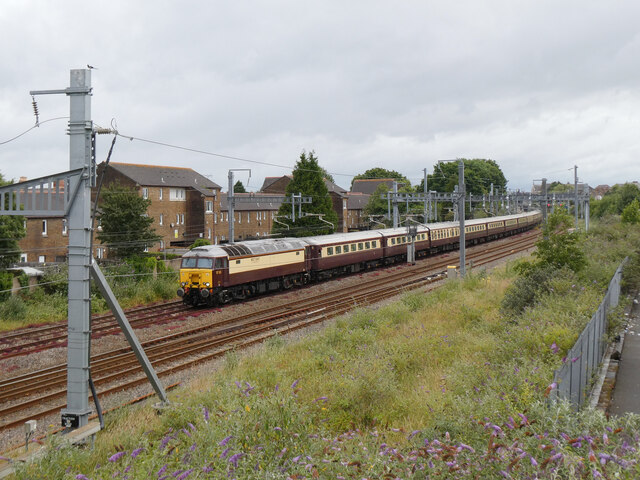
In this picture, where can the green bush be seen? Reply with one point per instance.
(6, 282)
(13, 308)
(532, 283)
(199, 243)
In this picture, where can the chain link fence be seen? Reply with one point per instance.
(573, 379)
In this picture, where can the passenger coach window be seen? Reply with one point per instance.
(353, 247)
(360, 246)
(189, 262)
(329, 250)
(338, 249)
(393, 241)
(205, 263)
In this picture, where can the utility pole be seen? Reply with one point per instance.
(426, 193)
(575, 183)
(461, 190)
(545, 202)
(75, 206)
(231, 201)
(395, 204)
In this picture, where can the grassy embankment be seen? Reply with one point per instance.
(133, 284)
(438, 385)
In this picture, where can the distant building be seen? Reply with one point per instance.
(369, 185)
(253, 217)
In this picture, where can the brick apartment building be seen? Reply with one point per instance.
(184, 205)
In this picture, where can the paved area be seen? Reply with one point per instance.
(626, 393)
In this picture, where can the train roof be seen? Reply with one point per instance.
(250, 247)
(343, 237)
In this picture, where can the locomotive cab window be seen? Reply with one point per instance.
(205, 263)
(189, 262)
(221, 263)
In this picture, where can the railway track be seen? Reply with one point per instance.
(41, 393)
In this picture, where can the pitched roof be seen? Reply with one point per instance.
(161, 176)
(369, 185)
(269, 181)
(251, 202)
(357, 201)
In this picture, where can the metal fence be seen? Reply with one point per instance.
(573, 378)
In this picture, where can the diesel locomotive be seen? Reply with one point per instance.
(218, 274)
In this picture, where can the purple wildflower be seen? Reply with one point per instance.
(225, 453)
(413, 434)
(192, 426)
(186, 474)
(277, 429)
(136, 452)
(192, 447)
(295, 459)
(162, 470)
(225, 440)
(117, 456)
(81, 477)
(575, 359)
(466, 447)
(205, 412)
(554, 347)
(234, 459)
(295, 384)
(533, 461)
(323, 399)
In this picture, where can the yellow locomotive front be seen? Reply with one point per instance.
(201, 276)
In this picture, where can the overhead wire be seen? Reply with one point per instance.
(38, 123)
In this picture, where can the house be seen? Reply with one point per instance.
(253, 213)
(369, 185)
(184, 204)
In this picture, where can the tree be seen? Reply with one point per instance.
(560, 245)
(379, 172)
(307, 180)
(380, 206)
(239, 187)
(126, 228)
(11, 230)
(615, 200)
(479, 174)
(631, 213)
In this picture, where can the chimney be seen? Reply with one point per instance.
(23, 179)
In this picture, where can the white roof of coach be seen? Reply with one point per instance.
(343, 237)
(250, 247)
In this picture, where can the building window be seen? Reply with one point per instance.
(182, 218)
(239, 217)
(64, 226)
(177, 219)
(100, 252)
(41, 258)
(176, 194)
(145, 192)
(44, 228)
(161, 244)
(248, 217)
(215, 218)
(208, 233)
(209, 205)
(161, 219)
(160, 194)
(23, 257)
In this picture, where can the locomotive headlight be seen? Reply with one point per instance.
(207, 284)
(183, 283)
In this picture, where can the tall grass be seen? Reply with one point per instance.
(437, 385)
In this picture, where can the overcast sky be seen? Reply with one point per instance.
(538, 86)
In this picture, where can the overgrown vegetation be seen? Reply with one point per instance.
(439, 385)
(133, 282)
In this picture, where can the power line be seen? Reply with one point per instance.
(28, 130)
